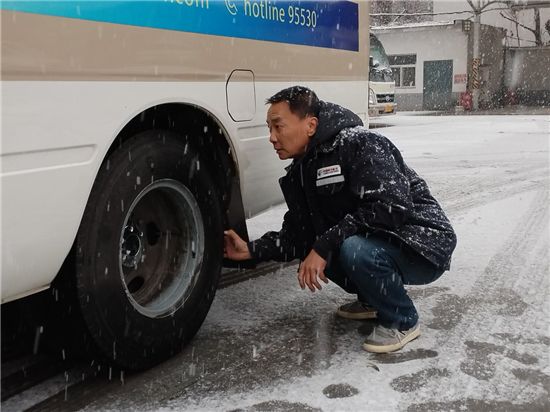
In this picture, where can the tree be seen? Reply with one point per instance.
(478, 7)
(512, 15)
(388, 12)
(384, 8)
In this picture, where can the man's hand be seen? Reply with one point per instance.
(234, 247)
(311, 268)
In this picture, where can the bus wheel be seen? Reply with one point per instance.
(149, 250)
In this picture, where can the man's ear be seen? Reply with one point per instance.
(312, 123)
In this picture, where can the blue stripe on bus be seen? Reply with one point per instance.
(331, 24)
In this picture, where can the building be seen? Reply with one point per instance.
(430, 61)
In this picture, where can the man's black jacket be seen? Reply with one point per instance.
(352, 181)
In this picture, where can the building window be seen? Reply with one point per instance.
(404, 69)
(396, 75)
(408, 77)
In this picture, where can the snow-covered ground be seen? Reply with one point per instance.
(268, 345)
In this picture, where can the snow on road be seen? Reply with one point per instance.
(268, 345)
(485, 342)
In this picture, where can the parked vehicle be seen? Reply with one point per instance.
(133, 133)
(381, 81)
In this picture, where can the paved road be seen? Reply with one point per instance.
(267, 345)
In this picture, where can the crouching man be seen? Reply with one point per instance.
(357, 215)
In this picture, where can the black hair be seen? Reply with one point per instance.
(301, 100)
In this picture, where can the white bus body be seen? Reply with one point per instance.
(81, 79)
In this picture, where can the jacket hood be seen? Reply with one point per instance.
(332, 119)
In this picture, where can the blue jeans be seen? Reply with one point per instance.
(376, 269)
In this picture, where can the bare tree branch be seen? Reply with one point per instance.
(490, 3)
(518, 23)
(538, 35)
(536, 31)
(396, 18)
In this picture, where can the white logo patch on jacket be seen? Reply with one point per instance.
(329, 171)
(329, 174)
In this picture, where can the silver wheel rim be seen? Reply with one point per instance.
(161, 248)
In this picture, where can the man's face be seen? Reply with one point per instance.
(288, 133)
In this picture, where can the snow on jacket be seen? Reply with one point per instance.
(353, 181)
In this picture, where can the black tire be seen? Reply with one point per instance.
(149, 250)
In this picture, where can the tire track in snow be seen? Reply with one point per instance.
(518, 266)
(478, 192)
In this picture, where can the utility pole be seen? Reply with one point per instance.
(476, 60)
(477, 7)
(475, 81)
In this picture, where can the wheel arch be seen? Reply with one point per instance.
(212, 140)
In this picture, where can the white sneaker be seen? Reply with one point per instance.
(384, 340)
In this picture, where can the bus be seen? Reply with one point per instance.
(381, 81)
(134, 133)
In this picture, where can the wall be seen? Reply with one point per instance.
(527, 73)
